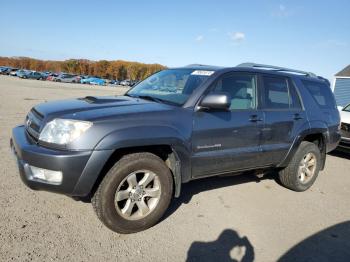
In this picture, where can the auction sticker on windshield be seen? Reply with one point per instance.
(202, 73)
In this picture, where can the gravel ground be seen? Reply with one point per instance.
(218, 219)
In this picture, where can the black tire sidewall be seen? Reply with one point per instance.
(115, 176)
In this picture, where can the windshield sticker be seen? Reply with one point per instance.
(202, 73)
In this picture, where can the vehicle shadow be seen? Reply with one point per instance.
(339, 153)
(228, 247)
(331, 244)
(188, 190)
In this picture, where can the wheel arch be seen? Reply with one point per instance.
(90, 180)
(318, 136)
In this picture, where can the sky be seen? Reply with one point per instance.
(301, 34)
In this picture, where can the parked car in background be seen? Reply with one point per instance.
(31, 75)
(125, 82)
(67, 78)
(7, 70)
(93, 81)
(345, 128)
(98, 81)
(44, 75)
(51, 76)
(114, 82)
(3, 70)
(14, 72)
(22, 72)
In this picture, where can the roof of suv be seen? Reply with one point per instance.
(252, 67)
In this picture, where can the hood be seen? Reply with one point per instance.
(92, 108)
(345, 117)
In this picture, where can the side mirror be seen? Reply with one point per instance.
(216, 101)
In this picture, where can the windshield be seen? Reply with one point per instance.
(173, 85)
(347, 108)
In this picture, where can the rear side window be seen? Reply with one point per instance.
(279, 93)
(276, 93)
(321, 93)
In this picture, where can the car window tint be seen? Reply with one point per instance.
(241, 88)
(276, 94)
(321, 93)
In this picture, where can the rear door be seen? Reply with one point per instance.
(284, 117)
(225, 141)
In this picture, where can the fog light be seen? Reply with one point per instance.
(45, 175)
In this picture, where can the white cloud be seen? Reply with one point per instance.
(199, 38)
(237, 36)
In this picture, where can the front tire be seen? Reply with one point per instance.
(134, 194)
(303, 169)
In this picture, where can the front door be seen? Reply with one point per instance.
(225, 141)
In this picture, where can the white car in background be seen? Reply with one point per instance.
(345, 128)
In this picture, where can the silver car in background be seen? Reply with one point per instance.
(67, 78)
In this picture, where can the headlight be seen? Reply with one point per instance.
(63, 131)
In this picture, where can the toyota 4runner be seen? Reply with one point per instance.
(131, 153)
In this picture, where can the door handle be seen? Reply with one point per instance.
(297, 117)
(254, 118)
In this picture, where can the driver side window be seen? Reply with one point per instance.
(241, 88)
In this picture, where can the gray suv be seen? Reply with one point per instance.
(130, 154)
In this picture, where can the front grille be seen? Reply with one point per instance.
(33, 123)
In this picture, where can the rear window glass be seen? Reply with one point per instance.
(321, 93)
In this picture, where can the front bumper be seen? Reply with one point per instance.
(344, 143)
(80, 169)
(345, 137)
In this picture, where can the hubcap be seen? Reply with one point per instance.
(307, 168)
(137, 195)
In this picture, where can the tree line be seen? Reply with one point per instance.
(117, 69)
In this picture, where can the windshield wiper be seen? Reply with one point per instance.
(155, 99)
(150, 98)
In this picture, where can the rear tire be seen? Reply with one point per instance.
(112, 213)
(303, 169)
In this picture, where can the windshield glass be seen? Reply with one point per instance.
(172, 85)
(347, 108)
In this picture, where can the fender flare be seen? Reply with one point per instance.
(179, 159)
(297, 141)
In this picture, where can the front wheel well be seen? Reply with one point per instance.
(165, 152)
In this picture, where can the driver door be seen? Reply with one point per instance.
(226, 141)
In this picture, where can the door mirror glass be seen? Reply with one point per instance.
(216, 101)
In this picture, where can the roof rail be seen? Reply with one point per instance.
(195, 65)
(277, 68)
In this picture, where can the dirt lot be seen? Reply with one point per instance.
(215, 219)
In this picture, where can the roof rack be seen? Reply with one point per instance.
(191, 65)
(277, 68)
